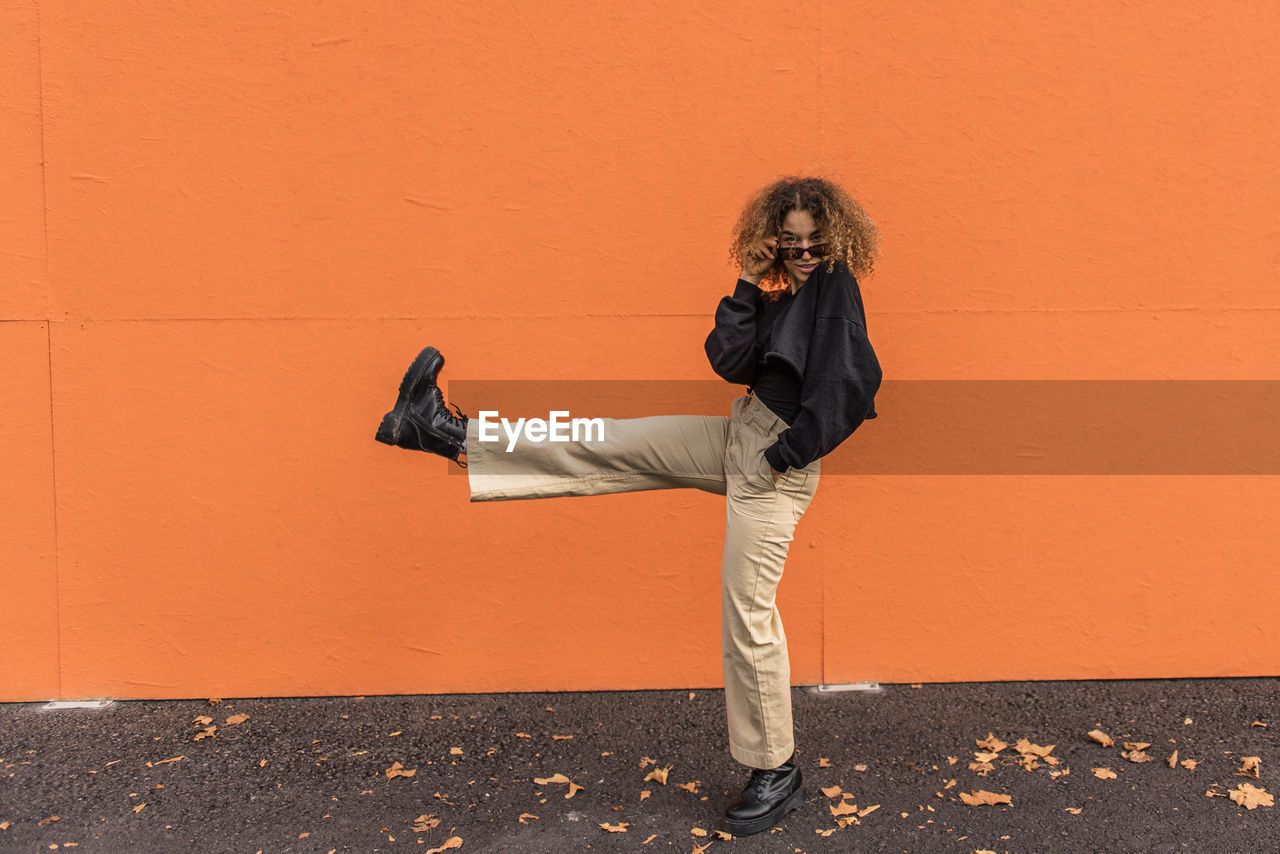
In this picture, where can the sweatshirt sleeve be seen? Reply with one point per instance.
(731, 346)
(835, 396)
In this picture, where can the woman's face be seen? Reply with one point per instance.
(800, 230)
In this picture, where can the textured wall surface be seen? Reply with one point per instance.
(227, 231)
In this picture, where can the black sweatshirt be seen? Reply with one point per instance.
(775, 383)
(821, 337)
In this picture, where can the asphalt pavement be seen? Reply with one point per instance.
(899, 769)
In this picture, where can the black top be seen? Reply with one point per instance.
(819, 336)
(776, 384)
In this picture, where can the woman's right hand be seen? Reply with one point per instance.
(758, 258)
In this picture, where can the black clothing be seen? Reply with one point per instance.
(820, 336)
(775, 383)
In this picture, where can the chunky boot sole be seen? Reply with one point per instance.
(769, 819)
(429, 361)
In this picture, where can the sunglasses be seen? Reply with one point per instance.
(795, 253)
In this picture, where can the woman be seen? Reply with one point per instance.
(794, 332)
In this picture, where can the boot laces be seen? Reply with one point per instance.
(761, 778)
(458, 419)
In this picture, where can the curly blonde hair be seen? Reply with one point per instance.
(849, 233)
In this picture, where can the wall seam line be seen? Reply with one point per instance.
(702, 315)
(822, 546)
(48, 311)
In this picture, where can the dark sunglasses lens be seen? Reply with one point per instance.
(795, 253)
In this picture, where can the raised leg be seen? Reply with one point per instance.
(634, 454)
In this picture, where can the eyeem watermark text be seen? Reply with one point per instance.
(553, 429)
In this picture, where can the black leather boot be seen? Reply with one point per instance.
(420, 421)
(769, 795)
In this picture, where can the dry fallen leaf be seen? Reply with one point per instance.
(425, 822)
(1136, 756)
(451, 842)
(560, 737)
(1173, 759)
(644, 793)
(1104, 773)
(620, 827)
(863, 812)
(207, 732)
(1026, 748)
(1073, 810)
(1101, 737)
(843, 808)
(455, 751)
(980, 756)
(202, 720)
(1257, 723)
(982, 769)
(824, 762)
(831, 791)
(1251, 797)
(139, 807)
(525, 815)
(397, 770)
(689, 787)
(166, 761)
(982, 797)
(645, 760)
(659, 774)
(698, 849)
(237, 719)
(5, 825)
(697, 831)
(1189, 764)
(1250, 766)
(992, 743)
(559, 778)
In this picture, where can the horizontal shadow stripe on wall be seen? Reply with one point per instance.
(968, 427)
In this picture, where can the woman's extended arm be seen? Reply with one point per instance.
(731, 346)
(838, 389)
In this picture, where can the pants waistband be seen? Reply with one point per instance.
(755, 412)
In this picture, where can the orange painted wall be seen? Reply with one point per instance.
(226, 233)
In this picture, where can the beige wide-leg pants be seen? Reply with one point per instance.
(715, 454)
